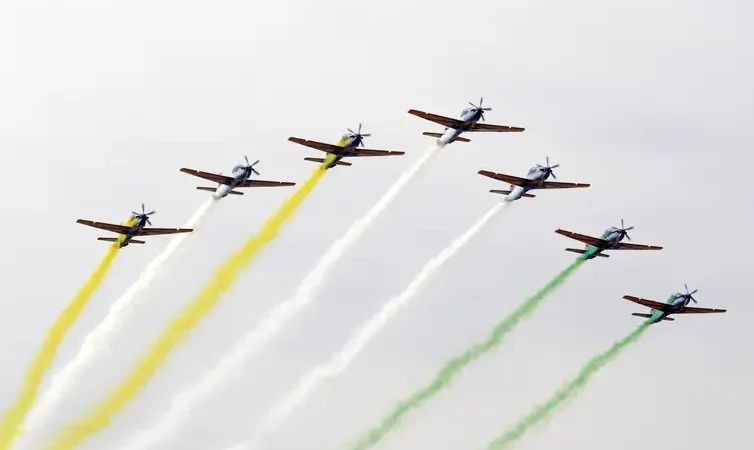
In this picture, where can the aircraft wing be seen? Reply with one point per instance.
(445, 121)
(327, 148)
(627, 246)
(523, 182)
(561, 185)
(648, 303)
(597, 242)
(691, 310)
(262, 183)
(208, 176)
(369, 152)
(120, 229)
(494, 128)
(532, 184)
(156, 231)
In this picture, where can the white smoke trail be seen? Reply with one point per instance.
(97, 340)
(252, 341)
(340, 361)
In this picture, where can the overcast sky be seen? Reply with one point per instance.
(651, 101)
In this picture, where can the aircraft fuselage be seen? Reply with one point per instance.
(239, 174)
(676, 300)
(612, 235)
(537, 173)
(347, 141)
(136, 223)
(469, 116)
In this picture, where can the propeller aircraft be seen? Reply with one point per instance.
(134, 226)
(347, 147)
(676, 304)
(469, 122)
(239, 179)
(610, 240)
(535, 179)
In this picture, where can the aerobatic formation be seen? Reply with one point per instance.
(33, 406)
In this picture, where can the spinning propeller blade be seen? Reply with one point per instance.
(251, 166)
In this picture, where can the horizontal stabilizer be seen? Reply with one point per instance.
(576, 250)
(108, 239)
(496, 191)
(647, 316)
(439, 135)
(322, 160)
(210, 189)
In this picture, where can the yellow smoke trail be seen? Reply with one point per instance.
(179, 329)
(10, 428)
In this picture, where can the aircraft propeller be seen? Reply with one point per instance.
(548, 168)
(251, 166)
(624, 231)
(479, 108)
(358, 135)
(143, 214)
(688, 294)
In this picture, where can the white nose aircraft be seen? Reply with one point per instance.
(535, 179)
(469, 122)
(239, 179)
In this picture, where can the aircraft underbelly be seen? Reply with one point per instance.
(222, 191)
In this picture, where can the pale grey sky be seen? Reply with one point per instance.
(650, 101)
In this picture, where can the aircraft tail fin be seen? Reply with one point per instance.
(497, 191)
(647, 316)
(322, 160)
(211, 189)
(577, 250)
(439, 135)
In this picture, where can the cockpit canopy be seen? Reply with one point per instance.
(347, 136)
(468, 111)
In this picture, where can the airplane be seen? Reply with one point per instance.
(535, 179)
(347, 147)
(676, 304)
(132, 228)
(469, 122)
(610, 240)
(239, 179)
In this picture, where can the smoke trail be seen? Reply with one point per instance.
(340, 361)
(567, 392)
(453, 368)
(97, 339)
(252, 341)
(223, 280)
(10, 428)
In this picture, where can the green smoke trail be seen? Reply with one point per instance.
(452, 368)
(567, 392)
